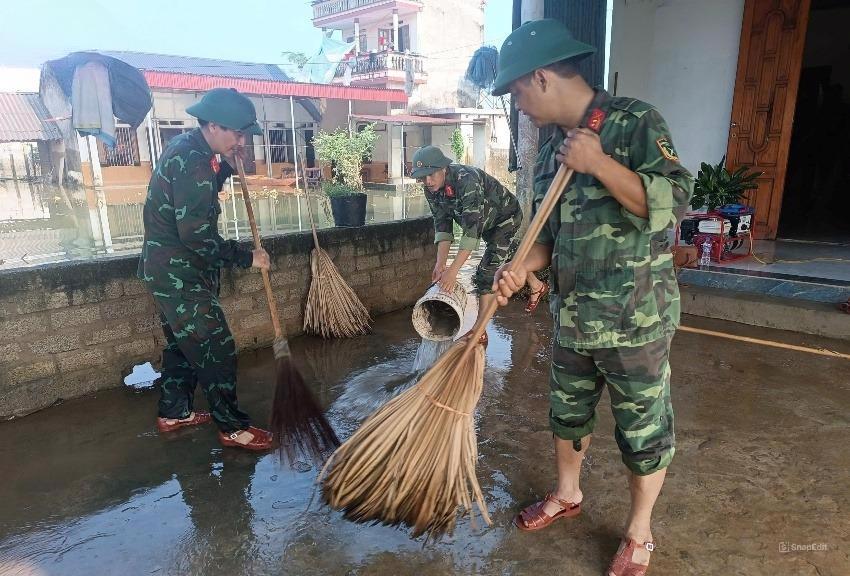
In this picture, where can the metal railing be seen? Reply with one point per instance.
(324, 8)
(122, 154)
(378, 62)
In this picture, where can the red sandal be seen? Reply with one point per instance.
(261, 441)
(622, 564)
(197, 419)
(532, 306)
(533, 517)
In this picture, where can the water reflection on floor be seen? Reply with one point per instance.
(41, 224)
(90, 488)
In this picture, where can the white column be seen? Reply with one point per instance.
(94, 161)
(294, 141)
(152, 143)
(356, 36)
(527, 135)
(267, 148)
(395, 29)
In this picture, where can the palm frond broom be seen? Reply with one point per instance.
(413, 461)
(333, 309)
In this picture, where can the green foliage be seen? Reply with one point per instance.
(458, 145)
(298, 58)
(345, 154)
(715, 186)
(337, 189)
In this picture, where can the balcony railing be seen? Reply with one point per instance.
(378, 63)
(325, 8)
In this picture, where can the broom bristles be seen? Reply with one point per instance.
(333, 309)
(298, 421)
(413, 461)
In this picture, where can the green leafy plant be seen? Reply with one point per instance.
(715, 186)
(337, 189)
(458, 145)
(298, 58)
(345, 154)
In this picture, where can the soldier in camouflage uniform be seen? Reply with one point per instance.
(615, 297)
(180, 264)
(482, 207)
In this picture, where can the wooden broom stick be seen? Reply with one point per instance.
(278, 331)
(553, 195)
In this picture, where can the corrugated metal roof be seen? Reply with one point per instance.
(202, 83)
(200, 66)
(24, 118)
(408, 119)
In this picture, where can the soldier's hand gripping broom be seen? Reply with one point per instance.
(413, 461)
(297, 420)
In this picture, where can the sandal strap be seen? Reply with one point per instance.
(562, 503)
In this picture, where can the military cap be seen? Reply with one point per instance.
(428, 160)
(228, 108)
(534, 45)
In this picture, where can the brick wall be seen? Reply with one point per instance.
(72, 328)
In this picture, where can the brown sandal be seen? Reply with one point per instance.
(197, 419)
(533, 517)
(532, 306)
(622, 564)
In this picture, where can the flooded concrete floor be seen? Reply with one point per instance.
(762, 466)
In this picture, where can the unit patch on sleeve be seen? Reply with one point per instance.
(667, 149)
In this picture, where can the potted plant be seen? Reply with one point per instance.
(345, 153)
(715, 186)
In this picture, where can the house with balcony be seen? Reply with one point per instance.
(422, 47)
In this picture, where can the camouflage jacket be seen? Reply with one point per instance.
(612, 271)
(475, 200)
(182, 248)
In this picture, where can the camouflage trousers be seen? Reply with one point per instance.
(199, 350)
(638, 380)
(499, 243)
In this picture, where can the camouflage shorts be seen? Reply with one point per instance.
(638, 381)
(499, 243)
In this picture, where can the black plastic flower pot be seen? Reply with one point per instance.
(349, 210)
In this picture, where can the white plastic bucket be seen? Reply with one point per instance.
(439, 315)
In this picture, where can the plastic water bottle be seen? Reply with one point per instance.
(705, 256)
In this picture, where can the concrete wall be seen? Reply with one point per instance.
(681, 56)
(336, 116)
(448, 33)
(73, 328)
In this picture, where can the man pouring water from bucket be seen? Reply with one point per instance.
(484, 209)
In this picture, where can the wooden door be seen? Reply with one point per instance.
(769, 60)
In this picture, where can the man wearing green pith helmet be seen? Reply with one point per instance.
(484, 210)
(182, 256)
(615, 300)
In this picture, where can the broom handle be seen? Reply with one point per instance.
(278, 333)
(307, 198)
(553, 194)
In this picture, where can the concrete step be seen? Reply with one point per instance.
(782, 313)
(797, 287)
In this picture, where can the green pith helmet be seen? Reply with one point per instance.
(534, 45)
(228, 108)
(428, 160)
